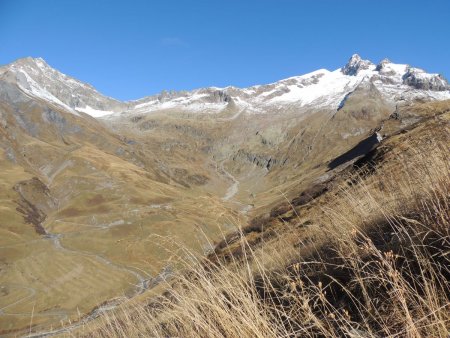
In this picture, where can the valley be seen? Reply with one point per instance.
(98, 209)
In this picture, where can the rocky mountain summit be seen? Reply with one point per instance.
(355, 64)
(36, 78)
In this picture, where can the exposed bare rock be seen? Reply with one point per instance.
(419, 79)
(35, 202)
(355, 64)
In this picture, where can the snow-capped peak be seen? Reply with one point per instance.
(355, 64)
(36, 78)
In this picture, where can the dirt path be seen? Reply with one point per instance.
(143, 283)
(233, 188)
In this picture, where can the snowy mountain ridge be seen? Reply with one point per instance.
(319, 89)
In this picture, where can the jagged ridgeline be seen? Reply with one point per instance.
(97, 194)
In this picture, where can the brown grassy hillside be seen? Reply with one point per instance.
(366, 256)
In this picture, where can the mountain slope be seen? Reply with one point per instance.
(272, 135)
(84, 195)
(360, 255)
(82, 210)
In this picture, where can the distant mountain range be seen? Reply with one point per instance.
(321, 88)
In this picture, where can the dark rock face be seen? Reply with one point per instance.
(418, 79)
(197, 179)
(362, 148)
(220, 96)
(35, 201)
(355, 64)
(394, 116)
(381, 65)
(342, 103)
(263, 161)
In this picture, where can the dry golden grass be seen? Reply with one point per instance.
(377, 266)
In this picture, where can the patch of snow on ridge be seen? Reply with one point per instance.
(145, 104)
(186, 102)
(192, 106)
(32, 88)
(94, 112)
(398, 69)
(330, 87)
(51, 74)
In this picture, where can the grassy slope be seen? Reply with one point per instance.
(117, 201)
(101, 202)
(368, 258)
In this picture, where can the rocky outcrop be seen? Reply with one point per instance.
(382, 64)
(186, 179)
(219, 96)
(263, 161)
(197, 179)
(418, 79)
(355, 64)
(361, 149)
(34, 203)
(34, 73)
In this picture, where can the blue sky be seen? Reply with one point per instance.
(130, 49)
